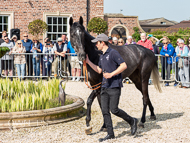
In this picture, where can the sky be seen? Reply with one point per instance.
(174, 10)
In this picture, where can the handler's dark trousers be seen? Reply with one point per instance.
(109, 101)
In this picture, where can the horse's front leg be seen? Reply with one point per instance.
(88, 113)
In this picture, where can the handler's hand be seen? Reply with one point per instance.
(166, 55)
(107, 75)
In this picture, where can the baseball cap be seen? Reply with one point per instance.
(109, 38)
(59, 39)
(100, 37)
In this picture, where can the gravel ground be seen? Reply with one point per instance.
(172, 109)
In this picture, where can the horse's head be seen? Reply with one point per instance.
(77, 32)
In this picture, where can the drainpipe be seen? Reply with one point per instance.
(87, 14)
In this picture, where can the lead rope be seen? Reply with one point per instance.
(85, 72)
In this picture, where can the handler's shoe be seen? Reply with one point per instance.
(134, 126)
(107, 138)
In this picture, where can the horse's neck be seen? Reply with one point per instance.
(93, 54)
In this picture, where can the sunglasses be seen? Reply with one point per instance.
(165, 43)
(19, 43)
(120, 42)
(25, 36)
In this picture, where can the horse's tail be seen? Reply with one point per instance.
(155, 77)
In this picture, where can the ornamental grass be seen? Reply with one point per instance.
(26, 96)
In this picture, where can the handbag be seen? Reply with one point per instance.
(180, 63)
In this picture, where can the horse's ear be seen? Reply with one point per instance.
(81, 20)
(71, 21)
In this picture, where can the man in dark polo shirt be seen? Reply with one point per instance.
(112, 65)
(27, 44)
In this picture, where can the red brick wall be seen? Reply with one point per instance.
(128, 22)
(26, 11)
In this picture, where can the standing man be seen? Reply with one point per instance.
(27, 44)
(112, 65)
(60, 49)
(145, 42)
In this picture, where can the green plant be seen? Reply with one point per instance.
(97, 25)
(19, 96)
(136, 34)
(37, 27)
(3, 51)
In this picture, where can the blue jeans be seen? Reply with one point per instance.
(36, 66)
(21, 69)
(47, 68)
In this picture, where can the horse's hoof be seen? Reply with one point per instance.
(103, 130)
(141, 124)
(88, 130)
(153, 117)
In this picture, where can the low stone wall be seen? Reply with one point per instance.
(43, 117)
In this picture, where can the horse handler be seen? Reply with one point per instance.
(112, 65)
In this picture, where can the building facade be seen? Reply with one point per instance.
(17, 14)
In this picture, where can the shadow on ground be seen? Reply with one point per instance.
(149, 124)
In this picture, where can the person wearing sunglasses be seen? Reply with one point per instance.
(120, 42)
(19, 59)
(27, 44)
(167, 52)
(36, 47)
(7, 60)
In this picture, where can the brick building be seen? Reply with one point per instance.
(17, 14)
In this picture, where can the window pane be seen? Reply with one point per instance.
(59, 35)
(49, 36)
(1, 29)
(5, 19)
(59, 20)
(0, 19)
(6, 27)
(49, 28)
(60, 29)
(54, 20)
(64, 28)
(49, 20)
(54, 28)
(64, 20)
(54, 37)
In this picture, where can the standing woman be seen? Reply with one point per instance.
(36, 47)
(167, 52)
(19, 59)
(184, 69)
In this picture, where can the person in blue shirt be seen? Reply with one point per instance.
(74, 62)
(167, 52)
(112, 65)
(36, 47)
(182, 52)
(27, 44)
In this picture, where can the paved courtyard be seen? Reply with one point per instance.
(172, 109)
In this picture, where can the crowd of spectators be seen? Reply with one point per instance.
(32, 59)
(31, 63)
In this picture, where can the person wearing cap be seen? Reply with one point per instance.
(110, 40)
(115, 40)
(182, 52)
(129, 40)
(112, 65)
(60, 49)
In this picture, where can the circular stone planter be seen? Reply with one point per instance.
(35, 118)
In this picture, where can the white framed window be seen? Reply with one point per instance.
(5, 24)
(57, 25)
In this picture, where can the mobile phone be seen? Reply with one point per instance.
(47, 44)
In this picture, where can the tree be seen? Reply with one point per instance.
(136, 35)
(97, 25)
(37, 27)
